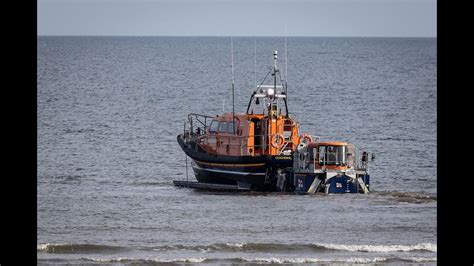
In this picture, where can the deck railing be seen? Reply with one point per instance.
(199, 124)
(235, 142)
(310, 161)
(201, 121)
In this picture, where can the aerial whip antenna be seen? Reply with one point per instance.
(286, 67)
(232, 56)
(255, 62)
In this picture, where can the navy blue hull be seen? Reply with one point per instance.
(336, 184)
(231, 170)
(230, 177)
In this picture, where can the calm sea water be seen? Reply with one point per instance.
(109, 110)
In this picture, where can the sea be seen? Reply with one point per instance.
(109, 110)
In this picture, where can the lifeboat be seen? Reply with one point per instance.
(261, 149)
(244, 149)
(240, 149)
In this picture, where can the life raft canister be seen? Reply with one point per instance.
(306, 138)
(278, 141)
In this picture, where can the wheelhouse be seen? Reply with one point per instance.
(329, 153)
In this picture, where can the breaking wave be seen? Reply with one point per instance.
(77, 248)
(263, 247)
(241, 247)
(155, 260)
(382, 248)
(270, 260)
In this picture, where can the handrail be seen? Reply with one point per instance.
(309, 163)
(226, 140)
(197, 116)
(202, 133)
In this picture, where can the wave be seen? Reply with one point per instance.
(245, 247)
(242, 247)
(268, 247)
(238, 247)
(339, 260)
(382, 248)
(77, 248)
(409, 197)
(155, 260)
(270, 260)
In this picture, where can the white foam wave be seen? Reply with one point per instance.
(415, 259)
(315, 260)
(236, 245)
(158, 260)
(382, 248)
(119, 259)
(42, 247)
(272, 260)
(46, 246)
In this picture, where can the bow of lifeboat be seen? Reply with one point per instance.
(237, 149)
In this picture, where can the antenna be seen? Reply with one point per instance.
(255, 62)
(286, 66)
(232, 56)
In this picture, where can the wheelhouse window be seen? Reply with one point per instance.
(322, 155)
(332, 155)
(214, 126)
(222, 127)
(230, 127)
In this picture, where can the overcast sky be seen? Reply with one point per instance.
(398, 18)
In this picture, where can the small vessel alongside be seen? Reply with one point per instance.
(263, 150)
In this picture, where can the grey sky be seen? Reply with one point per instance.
(403, 18)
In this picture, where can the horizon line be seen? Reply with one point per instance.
(226, 36)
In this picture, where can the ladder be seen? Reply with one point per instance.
(315, 185)
(362, 185)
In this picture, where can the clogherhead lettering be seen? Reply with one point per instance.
(283, 157)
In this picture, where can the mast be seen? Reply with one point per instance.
(286, 67)
(270, 92)
(232, 56)
(255, 63)
(275, 70)
(286, 75)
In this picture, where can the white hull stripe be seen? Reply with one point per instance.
(227, 172)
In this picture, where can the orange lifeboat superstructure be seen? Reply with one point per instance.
(255, 135)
